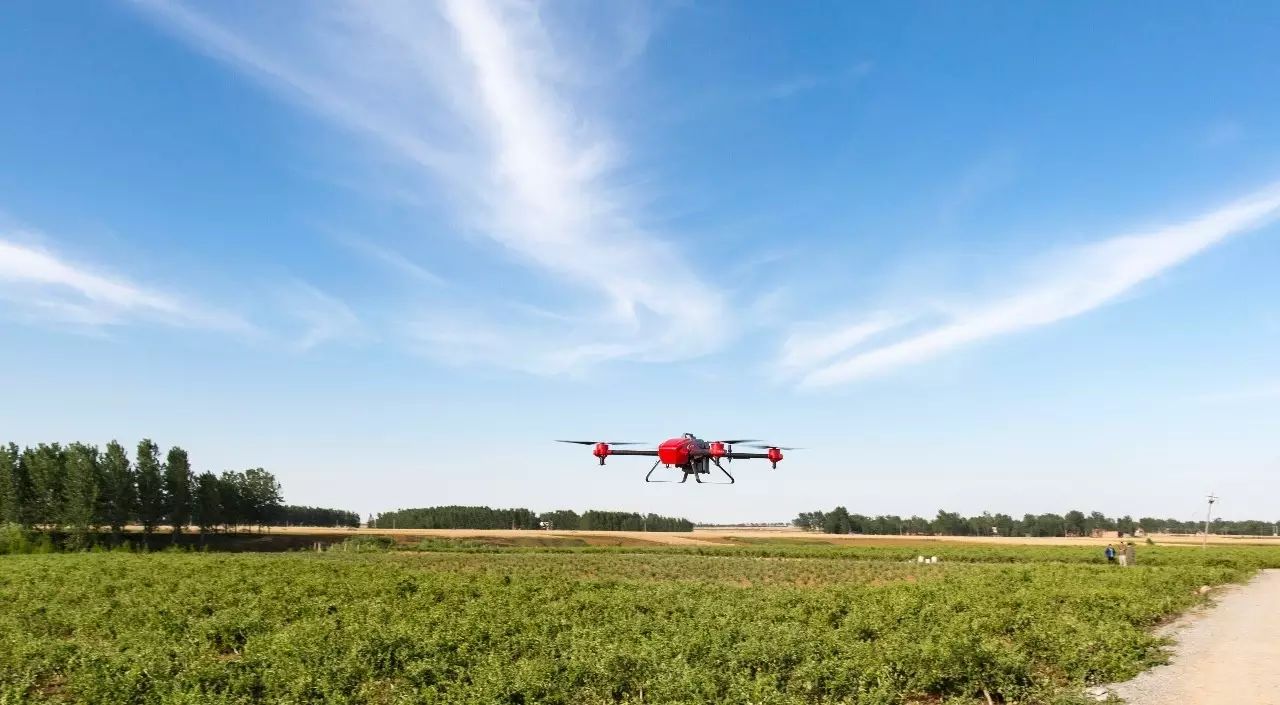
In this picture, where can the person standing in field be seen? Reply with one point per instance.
(1122, 557)
(1111, 553)
(1130, 554)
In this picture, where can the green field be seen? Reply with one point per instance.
(468, 623)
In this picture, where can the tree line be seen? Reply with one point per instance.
(294, 515)
(458, 517)
(597, 520)
(1073, 523)
(79, 488)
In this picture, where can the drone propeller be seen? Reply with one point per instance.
(611, 443)
(728, 443)
(766, 446)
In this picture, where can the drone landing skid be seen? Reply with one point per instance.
(649, 475)
(700, 481)
(655, 467)
(726, 474)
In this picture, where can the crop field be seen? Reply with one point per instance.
(459, 621)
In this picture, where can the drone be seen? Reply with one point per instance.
(690, 454)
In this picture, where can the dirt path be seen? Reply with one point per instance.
(1226, 655)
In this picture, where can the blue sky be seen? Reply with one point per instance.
(979, 257)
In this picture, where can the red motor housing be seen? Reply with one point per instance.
(775, 455)
(601, 451)
(718, 450)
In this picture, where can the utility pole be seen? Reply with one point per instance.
(1204, 543)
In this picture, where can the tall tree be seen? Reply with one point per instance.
(177, 489)
(950, 524)
(836, 521)
(261, 496)
(22, 483)
(79, 508)
(206, 501)
(1098, 520)
(1075, 523)
(44, 470)
(119, 488)
(917, 525)
(151, 501)
(231, 493)
(11, 499)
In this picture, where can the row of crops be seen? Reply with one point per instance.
(759, 624)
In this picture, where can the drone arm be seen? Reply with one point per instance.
(774, 456)
(650, 453)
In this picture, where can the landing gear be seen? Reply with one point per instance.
(696, 469)
(704, 468)
(726, 472)
(655, 467)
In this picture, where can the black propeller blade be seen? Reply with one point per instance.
(738, 440)
(612, 443)
(767, 447)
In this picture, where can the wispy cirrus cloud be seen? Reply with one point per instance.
(805, 82)
(1070, 284)
(324, 318)
(491, 109)
(391, 259)
(40, 285)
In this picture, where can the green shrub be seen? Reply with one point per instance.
(588, 626)
(364, 544)
(14, 539)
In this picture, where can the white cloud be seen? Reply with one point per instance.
(486, 105)
(805, 82)
(45, 287)
(392, 259)
(811, 347)
(1072, 283)
(324, 317)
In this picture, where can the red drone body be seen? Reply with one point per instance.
(689, 454)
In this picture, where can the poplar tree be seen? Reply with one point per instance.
(45, 473)
(261, 494)
(231, 492)
(177, 489)
(150, 486)
(206, 501)
(119, 488)
(11, 500)
(79, 508)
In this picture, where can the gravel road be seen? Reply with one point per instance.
(1226, 655)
